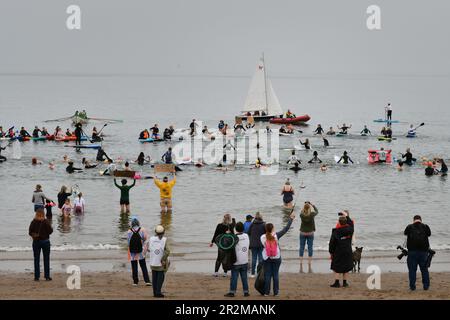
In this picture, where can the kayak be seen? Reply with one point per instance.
(296, 120)
(409, 135)
(39, 138)
(374, 156)
(386, 121)
(86, 146)
(71, 138)
(381, 138)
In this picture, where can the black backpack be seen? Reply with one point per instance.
(135, 242)
(418, 236)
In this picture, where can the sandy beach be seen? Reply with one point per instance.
(188, 286)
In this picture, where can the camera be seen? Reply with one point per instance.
(403, 254)
(431, 253)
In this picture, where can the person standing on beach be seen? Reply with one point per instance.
(256, 230)
(418, 247)
(248, 222)
(40, 231)
(241, 265)
(159, 260)
(137, 238)
(38, 198)
(227, 225)
(165, 192)
(272, 255)
(307, 229)
(340, 249)
(124, 195)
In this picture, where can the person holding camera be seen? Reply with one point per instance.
(418, 251)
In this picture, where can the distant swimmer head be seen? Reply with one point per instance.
(124, 181)
(293, 152)
(159, 230)
(324, 168)
(345, 153)
(34, 161)
(127, 164)
(315, 153)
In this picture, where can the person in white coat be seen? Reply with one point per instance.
(159, 260)
(241, 265)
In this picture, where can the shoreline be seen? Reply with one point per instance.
(202, 262)
(190, 286)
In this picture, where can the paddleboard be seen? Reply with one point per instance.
(386, 121)
(386, 139)
(341, 134)
(87, 146)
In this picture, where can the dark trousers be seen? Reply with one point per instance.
(134, 271)
(256, 257)
(271, 271)
(219, 259)
(418, 258)
(157, 281)
(236, 271)
(43, 245)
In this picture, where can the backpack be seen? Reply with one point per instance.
(417, 236)
(271, 248)
(135, 242)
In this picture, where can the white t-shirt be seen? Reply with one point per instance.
(264, 253)
(78, 203)
(242, 249)
(157, 246)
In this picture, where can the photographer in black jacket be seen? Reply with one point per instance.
(418, 251)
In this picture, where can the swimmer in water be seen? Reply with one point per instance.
(296, 168)
(323, 168)
(315, 158)
(71, 169)
(345, 158)
(331, 132)
(293, 159)
(344, 128)
(305, 144)
(366, 131)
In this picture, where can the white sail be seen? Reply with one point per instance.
(261, 96)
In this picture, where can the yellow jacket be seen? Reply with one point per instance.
(165, 188)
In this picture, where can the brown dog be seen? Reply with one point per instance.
(357, 258)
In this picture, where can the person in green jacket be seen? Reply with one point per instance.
(124, 195)
(307, 229)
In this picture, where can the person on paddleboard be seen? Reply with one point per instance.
(144, 134)
(409, 159)
(36, 132)
(366, 131)
(319, 130)
(44, 132)
(155, 131)
(315, 158)
(344, 128)
(102, 156)
(345, 158)
(389, 112)
(78, 133)
(24, 133)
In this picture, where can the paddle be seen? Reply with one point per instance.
(420, 125)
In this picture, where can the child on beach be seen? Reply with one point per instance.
(137, 238)
(159, 260)
(241, 265)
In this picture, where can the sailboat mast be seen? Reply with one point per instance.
(265, 83)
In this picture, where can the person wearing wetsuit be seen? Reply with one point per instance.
(2, 158)
(44, 132)
(68, 133)
(306, 144)
(24, 133)
(226, 148)
(344, 129)
(408, 157)
(167, 157)
(78, 133)
(95, 136)
(268, 130)
(319, 130)
(166, 134)
(141, 159)
(238, 126)
(315, 158)
(346, 158)
(429, 170)
(331, 132)
(87, 164)
(2, 133)
(388, 132)
(155, 131)
(102, 156)
(444, 168)
(36, 132)
(11, 132)
(365, 131)
(325, 142)
(192, 127)
(71, 169)
(295, 168)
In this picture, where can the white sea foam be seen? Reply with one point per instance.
(88, 247)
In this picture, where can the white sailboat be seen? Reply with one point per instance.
(261, 103)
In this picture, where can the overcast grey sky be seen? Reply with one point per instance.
(225, 37)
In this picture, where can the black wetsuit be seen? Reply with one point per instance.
(192, 126)
(167, 134)
(429, 171)
(319, 130)
(24, 133)
(366, 131)
(346, 159)
(344, 129)
(444, 168)
(78, 133)
(409, 158)
(315, 160)
(36, 133)
(167, 157)
(44, 133)
(101, 155)
(2, 158)
(155, 131)
(306, 144)
(295, 169)
(326, 143)
(72, 169)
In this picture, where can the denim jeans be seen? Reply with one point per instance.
(38, 206)
(271, 271)
(134, 271)
(235, 272)
(157, 281)
(43, 245)
(256, 256)
(306, 239)
(418, 258)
